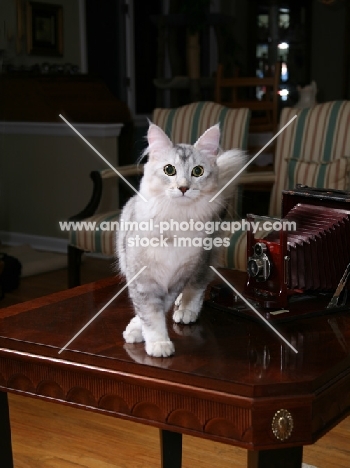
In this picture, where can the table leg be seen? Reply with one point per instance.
(5, 433)
(280, 458)
(171, 449)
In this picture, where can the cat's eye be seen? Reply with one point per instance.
(197, 171)
(169, 170)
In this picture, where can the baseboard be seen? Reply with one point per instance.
(49, 244)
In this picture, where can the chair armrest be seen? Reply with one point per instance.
(250, 178)
(125, 171)
(234, 256)
(101, 182)
(94, 201)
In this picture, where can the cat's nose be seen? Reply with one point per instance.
(183, 189)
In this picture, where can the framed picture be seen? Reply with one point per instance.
(44, 29)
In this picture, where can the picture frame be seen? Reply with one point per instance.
(44, 29)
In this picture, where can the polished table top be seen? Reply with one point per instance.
(228, 378)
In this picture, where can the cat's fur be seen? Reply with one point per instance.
(174, 275)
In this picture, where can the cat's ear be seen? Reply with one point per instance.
(208, 143)
(158, 141)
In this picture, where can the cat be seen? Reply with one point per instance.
(307, 96)
(178, 184)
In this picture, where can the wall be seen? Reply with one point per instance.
(327, 50)
(72, 47)
(238, 10)
(46, 179)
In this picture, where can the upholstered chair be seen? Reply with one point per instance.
(314, 150)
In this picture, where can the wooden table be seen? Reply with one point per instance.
(231, 379)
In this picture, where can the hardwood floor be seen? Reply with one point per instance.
(47, 435)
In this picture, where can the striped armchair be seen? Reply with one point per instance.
(313, 150)
(184, 124)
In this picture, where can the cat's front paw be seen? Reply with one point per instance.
(185, 316)
(178, 300)
(160, 348)
(133, 332)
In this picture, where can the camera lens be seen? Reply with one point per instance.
(259, 249)
(258, 265)
(253, 267)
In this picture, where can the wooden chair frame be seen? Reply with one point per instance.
(268, 106)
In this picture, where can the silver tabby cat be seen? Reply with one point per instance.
(178, 183)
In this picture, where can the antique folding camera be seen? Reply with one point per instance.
(313, 257)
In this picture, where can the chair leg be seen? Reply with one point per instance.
(74, 264)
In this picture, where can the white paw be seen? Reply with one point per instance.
(178, 300)
(184, 316)
(160, 348)
(133, 332)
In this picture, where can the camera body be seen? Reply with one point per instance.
(311, 258)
